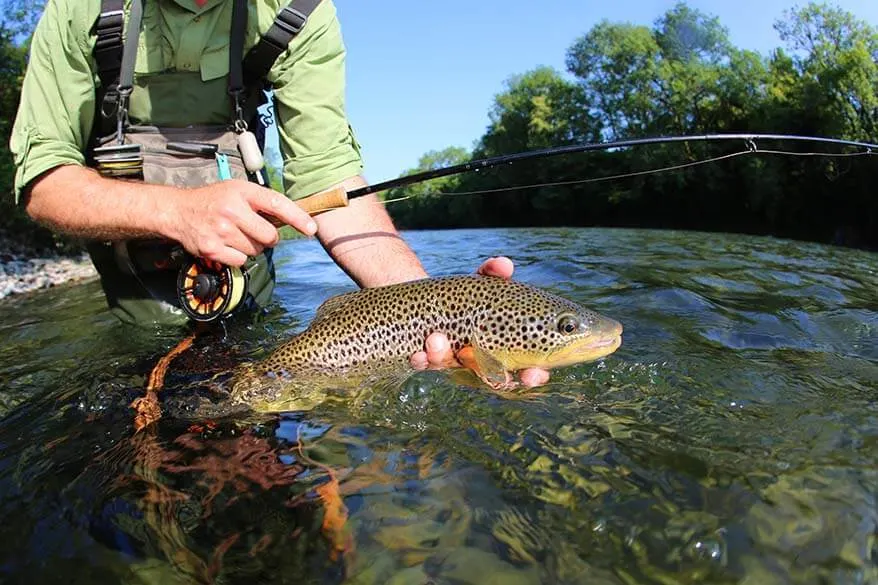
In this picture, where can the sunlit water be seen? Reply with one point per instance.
(732, 439)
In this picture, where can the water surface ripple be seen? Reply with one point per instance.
(732, 439)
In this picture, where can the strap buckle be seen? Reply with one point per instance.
(110, 23)
(291, 20)
(109, 30)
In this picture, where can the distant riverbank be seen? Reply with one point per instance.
(22, 270)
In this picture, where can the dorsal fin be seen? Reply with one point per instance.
(332, 304)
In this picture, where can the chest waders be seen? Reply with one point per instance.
(155, 281)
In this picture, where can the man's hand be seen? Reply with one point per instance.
(226, 221)
(439, 354)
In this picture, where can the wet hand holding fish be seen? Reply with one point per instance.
(495, 326)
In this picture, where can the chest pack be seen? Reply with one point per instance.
(145, 280)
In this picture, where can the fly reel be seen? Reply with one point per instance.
(209, 290)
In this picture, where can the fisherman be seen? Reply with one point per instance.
(95, 114)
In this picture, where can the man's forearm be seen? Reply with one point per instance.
(225, 221)
(363, 241)
(79, 202)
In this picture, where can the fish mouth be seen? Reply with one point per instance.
(604, 342)
(610, 333)
(607, 340)
(601, 347)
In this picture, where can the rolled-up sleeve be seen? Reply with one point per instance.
(316, 140)
(55, 114)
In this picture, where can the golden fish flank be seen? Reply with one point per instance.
(498, 326)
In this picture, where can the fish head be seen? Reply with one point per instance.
(533, 328)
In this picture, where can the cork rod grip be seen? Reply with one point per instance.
(324, 201)
(318, 203)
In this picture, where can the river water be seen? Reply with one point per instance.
(733, 438)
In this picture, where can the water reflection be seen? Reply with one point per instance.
(732, 437)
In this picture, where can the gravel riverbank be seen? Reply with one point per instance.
(23, 271)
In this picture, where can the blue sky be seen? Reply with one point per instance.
(422, 75)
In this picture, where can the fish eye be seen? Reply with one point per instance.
(568, 324)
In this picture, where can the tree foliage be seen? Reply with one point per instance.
(19, 17)
(12, 217)
(682, 75)
(414, 204)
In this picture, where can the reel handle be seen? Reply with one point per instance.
(318, 203)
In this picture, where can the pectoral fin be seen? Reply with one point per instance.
(486, 367)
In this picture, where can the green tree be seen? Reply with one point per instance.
(16, 25)
(678, 77)
(538, 109)
(19, 17)
(834, 67)
(684, 76)
(617, 65)
(688, 35)
(423, 204)
(826, 84)
(12, 61)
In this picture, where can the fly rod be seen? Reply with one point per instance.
(210, 291)
(338, 197)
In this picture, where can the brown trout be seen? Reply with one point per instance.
(495, 326)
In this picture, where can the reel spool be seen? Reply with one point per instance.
(209, 290)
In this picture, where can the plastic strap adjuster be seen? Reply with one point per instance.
(109, 26)
(291, 20)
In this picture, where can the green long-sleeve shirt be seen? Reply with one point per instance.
(181, 79)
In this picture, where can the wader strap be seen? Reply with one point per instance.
(236, 56)
(236, 47)
(129, 52)
(107, 53)
(126, 71)
(108, 46)
(265, 52)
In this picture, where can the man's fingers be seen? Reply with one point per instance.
(533, 377)
(215, 249)
(499, 266)
(419, 361)
(259, 230)
(439, 354)
(229, 256)
(230, 233)
(241, 226)
(276, 205)
(247, 245)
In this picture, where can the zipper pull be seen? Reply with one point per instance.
(222, 165)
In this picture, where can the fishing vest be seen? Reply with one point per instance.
(141, 278)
